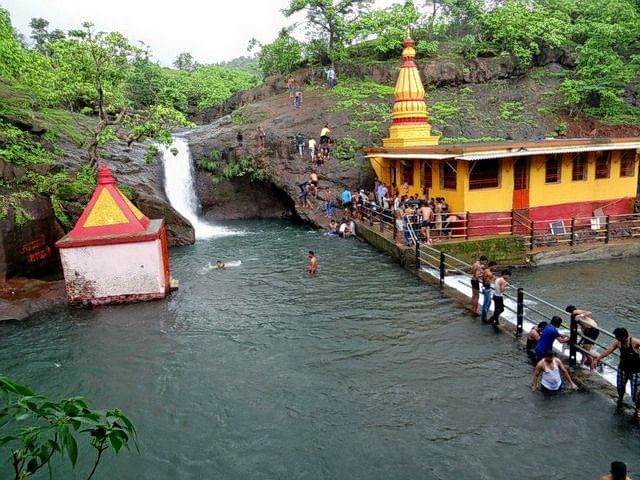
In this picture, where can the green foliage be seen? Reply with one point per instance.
(240, 116)
(37, 429)
(444, 111)
(281, 57)
(12, 202)
(510, 111)
(245, 166)
(327, 22)
(17, 148)
(11, 53)
(521, 27)
(388, 25)
(346, 150)
(354, 92)
(211, 85)
(62, 188)
(504, 250)
(607, 60)
(151, 153)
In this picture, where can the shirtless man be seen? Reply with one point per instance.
(313, 181)
(220, 265)
(589, 329)
(476, 276)
(487, 279)
(618, 472)
(313, 262)
(425, 230)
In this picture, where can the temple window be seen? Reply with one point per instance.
(484, 174)
(579, 170)
(628, 163)
(448, 175)
(603, 165)
(407, 172)
(552, 169)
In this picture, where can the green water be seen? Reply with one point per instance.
(260, 372)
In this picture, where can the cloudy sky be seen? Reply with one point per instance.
(212, 30)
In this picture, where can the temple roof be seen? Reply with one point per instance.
(410, 105)
(485, 151)
(109, 213)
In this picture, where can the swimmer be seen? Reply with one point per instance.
(551, 368)
(618, 472)
(219, 264)
(313, 262)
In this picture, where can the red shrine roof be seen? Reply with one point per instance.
(110, 217)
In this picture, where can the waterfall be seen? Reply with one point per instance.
(179, 187)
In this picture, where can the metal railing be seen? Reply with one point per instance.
(524, 304)
(536, 234)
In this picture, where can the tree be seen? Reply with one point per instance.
(185, 61)
(95, 70)
(390, 26)
(281, 57)
(522, 28)
(11, 54)
(41, 37)
(42, 429)
(328, 19)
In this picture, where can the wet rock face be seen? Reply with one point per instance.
(241, 198)
(28, 248)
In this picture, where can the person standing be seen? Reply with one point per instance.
(300, 143)
(312, 149)
(261, 136)
(425, 227)
(291, 83)
(329, 204)
(346, 198)
(331, 77)
(297, 99)
(550, 368)
(498, 296)
(313, 262)
(324, 134)
(476, 268)
(487, 280)
(628, 366)
(548, 336)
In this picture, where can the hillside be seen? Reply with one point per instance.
(486, 99)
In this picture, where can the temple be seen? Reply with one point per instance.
(540, 180)
(114, 253)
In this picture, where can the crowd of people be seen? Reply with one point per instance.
(549, 370)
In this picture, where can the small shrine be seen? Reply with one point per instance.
(114, 253)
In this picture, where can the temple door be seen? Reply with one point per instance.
(521, 183)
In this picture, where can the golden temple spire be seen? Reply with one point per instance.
(410, 122)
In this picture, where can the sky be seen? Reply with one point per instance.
(212, 30)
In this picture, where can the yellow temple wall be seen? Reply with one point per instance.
(569, 191)
(499, 199)
(455, 198)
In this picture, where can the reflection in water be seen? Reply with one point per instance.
(259, 371)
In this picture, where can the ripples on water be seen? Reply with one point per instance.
(260, 371)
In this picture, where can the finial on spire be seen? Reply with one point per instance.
(104, 176)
